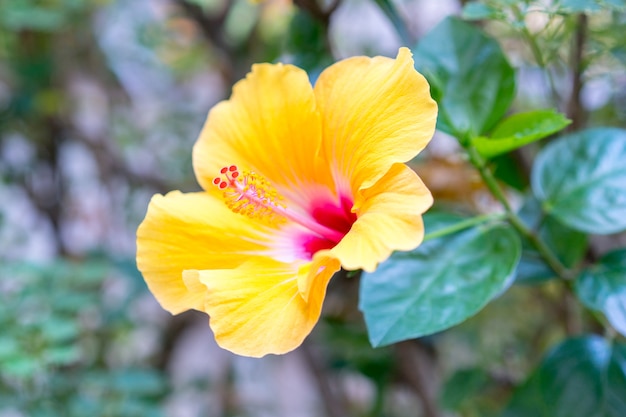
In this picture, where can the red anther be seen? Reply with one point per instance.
(216, 181)
(235, 174)
(223, 185)
(232, 168)
(223, 170)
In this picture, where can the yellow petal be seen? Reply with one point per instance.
(256, 309)
(271, 126)
(375, 112)
(191, 231)
(389, 219)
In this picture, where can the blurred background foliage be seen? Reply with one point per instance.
(100, 104)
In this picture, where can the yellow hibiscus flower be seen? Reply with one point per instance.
(298, 182)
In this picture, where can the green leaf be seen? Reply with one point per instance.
(510, 171)
(8, 347)
(579, 6)
(62, 355)
(306, 41)
(581, 180)
(21, 367)
(57, 329)
(583, 377)
(31, 17)
(469, 75)
(475, 10)
(603, 287)
(464, 385)
(438, 285)
(138, 381)
(614, 4)
(520, 130)
(532, 269)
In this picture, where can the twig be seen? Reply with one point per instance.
(546, 253)
(316, 11)
(462, 225)
(537, 54)
(413, 369)
(575, 110)
(334, 403)
(212, 27)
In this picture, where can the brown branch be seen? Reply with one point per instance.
(175, 327)
(212, 28)
(332, 7)
(575, 109)
(414, 369)
(334, 403)
(314, 9)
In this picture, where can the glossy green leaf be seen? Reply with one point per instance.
(583, 377)
(510, 171)
(520, 130)
(532, 269)
(438, 285)
(469, 75)
(603, 287)
(581, 180)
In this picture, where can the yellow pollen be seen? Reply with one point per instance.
(249, 194)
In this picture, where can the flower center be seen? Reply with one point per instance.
(251, 195)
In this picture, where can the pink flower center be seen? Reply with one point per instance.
(251, 195)
(337, 217)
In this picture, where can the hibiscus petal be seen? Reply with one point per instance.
(257, 309)
(389, 219)
(270, 125)
(192, 231)
(375, 112)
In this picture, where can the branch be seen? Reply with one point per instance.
(575, 110)
(487, 176)
(315, 10)
(212, 27)
(414, 361)
(334, 403)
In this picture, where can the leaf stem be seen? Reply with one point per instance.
(544, 251)
(536, 51)
(465, 224)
